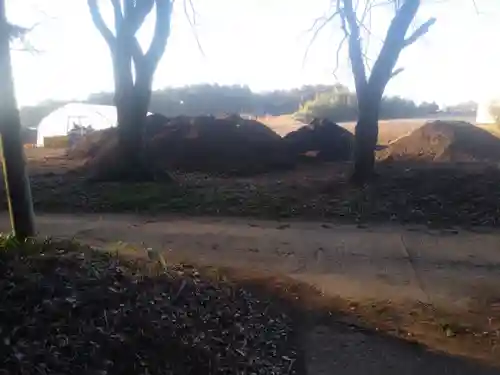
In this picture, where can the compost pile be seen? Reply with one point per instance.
(321, 140)
(445, 141)
(228, 145)
(65, 309)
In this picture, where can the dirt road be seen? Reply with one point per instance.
(381, 263)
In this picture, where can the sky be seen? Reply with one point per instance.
(262, 44)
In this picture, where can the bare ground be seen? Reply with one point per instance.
(444, 195)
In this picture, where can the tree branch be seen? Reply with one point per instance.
(348, 15)
(393, 45)
(337, 55)
(101, 25)
(136, 12)
(136, 52)
(117, 11)
(192, 22)
(18, 32)
(322, 21)
(421, 31)
(128, 19)
(161, 32)
(396, 72)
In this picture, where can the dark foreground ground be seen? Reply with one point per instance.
(69, 309)
(438, 195)
(96, 307)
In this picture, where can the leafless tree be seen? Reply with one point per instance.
(14, 164)
(133, 76)
(355, 21)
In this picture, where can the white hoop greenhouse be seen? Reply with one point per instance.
(63, 119)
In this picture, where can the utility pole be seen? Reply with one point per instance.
(14, 163)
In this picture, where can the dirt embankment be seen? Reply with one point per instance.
(445, 141)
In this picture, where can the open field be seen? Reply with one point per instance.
(389, 130)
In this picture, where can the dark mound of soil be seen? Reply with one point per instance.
(445, 141)
(65, 309)
(321, 140)
(229, 145)
(155, 122)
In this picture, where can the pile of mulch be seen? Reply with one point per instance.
(321, 140)
(445, 141)
(228, 146)
(65, 309)
(438, 194)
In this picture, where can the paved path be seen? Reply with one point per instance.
(341, 350)
(360, 264)
(340, 260)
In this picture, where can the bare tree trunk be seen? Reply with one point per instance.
(14, 163)
(131, 141)
(370, 90)
(132, 162)
(366, 137)
(129, 161)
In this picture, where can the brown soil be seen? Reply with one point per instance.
(321, 140)
(445, 141)
(226, 145)
(442, 194)
(229, 146)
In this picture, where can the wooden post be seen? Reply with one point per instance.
(14, 164)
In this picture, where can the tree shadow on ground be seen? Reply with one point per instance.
(339, 337)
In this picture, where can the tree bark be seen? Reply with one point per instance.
(131, 151)
(366, 136)
(14, 163)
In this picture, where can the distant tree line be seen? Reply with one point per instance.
(340, 104)
(201, 99)
(335, 102)
(206, 99)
